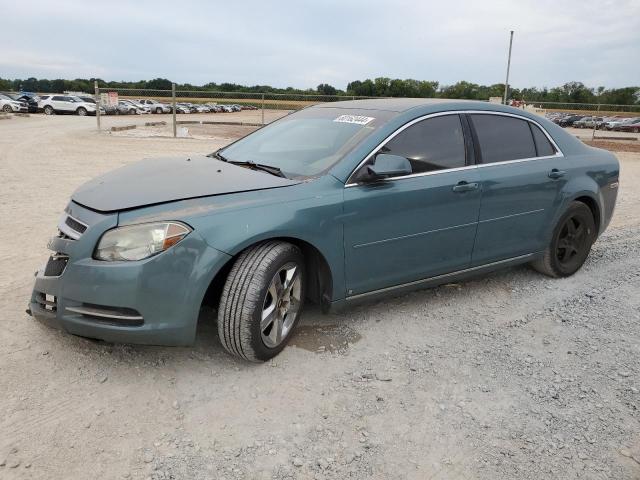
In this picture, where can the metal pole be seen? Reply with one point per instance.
(263, 109)
(173, 102)
(506, 83)
(97, 90)
(593, 133)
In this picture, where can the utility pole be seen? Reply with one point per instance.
(506, 83)
(173, 107)
(98, 103)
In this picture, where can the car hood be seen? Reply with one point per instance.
(162, 180)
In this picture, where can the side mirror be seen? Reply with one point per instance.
(386, 165)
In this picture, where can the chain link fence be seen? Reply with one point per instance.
(187, 107)
(174, 110)
(602, 108)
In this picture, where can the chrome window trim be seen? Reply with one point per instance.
(96, 313)
(558, 153)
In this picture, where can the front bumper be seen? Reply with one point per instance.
(154, 301)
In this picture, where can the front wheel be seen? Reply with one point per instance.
(262, 301)
(570, 244)
(7, 108)
(48, 110)
(82, 112)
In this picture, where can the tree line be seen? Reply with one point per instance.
(571, 92)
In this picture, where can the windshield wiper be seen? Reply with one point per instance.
(255, 166)
(259, 166)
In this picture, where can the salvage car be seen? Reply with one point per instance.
(154, 106)
(10, 105)
(630, 127)
(334, 204)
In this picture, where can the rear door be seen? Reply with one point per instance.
(522, 174)
(412, 227)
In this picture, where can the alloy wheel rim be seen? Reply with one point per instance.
(571, 239)
(281, 305)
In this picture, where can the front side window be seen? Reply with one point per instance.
(433, 144)
(503, 138)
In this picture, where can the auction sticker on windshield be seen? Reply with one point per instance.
(357, 119)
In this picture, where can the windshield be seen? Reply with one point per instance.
(309, 142)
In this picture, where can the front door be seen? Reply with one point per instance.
(408, 228)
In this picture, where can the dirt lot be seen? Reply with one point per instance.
(513, 375)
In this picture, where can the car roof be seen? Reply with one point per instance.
(390, 104)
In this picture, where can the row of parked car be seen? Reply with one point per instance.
(616, 122)
(86, 105)
(146, 105)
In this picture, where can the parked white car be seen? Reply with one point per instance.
(154, 106)
(52, 104)
(140, 109)
(9, 105)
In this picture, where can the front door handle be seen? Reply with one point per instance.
(555, 173)
(465, 186)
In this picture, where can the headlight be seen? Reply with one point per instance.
(137, 242)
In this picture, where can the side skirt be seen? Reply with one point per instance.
(395, 290)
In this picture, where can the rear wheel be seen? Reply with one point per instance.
(636, 130)
(570, 244)
(262, 301)
(158, 110)
(48, 110)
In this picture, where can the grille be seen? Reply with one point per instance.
(46, 301)
(56, 265)
(75, 225)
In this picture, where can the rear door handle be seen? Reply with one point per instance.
(465, 186)
(555, 173)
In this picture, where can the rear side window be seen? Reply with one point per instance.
(503, 138)
(432, 144)
(58, 98)
(543, 145)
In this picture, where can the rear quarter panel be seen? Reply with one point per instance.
(593, 173)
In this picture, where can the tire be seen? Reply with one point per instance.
(7, 108)
(158, 110)
(636, 130)
(132, 112)
(570, 244)
(267, 281)
(48, 110)
(82, 112)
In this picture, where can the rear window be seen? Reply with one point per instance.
(544, 147)
(503, 138)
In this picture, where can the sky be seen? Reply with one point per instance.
(302, 44)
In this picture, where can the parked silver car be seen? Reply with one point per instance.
(154, 106)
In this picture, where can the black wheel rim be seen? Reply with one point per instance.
(571, 239)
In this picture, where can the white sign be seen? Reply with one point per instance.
(357, 119)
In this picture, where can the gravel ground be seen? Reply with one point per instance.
(511, 375)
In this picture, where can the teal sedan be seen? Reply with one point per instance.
(334, 204)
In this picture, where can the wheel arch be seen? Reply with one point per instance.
(319, 274)
(592, 203)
